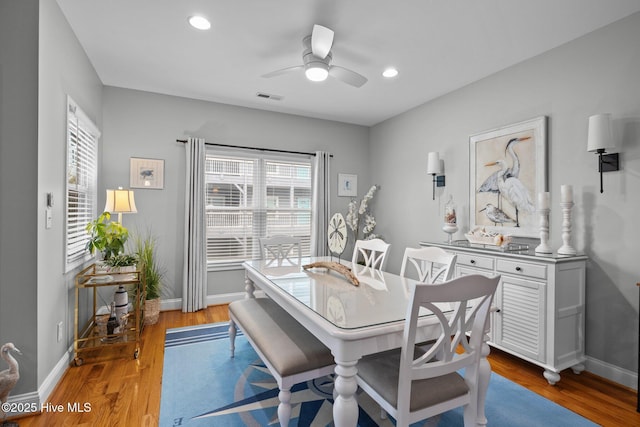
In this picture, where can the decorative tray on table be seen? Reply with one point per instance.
(481, 236)
(493, 240)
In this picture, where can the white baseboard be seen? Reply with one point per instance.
(49, 383)
(33, 401)
(29, 403)
(612, 373)
(176, 303)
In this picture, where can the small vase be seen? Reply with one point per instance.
(450, 229)
(121, 299)
(450, 221)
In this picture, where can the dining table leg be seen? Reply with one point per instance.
(345, 405)
(249, 286)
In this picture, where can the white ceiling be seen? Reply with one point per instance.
(437, 45)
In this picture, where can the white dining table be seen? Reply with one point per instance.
(352, 321)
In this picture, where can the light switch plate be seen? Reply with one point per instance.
(48, 218)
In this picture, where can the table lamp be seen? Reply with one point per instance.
(120, 201)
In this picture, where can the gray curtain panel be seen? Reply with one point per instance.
(194, 286)
(320, 205)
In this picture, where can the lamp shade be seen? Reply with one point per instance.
(120, 201)
(599, 135)
(434, 166)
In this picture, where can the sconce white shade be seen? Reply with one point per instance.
(434, 167)
(599, 135)
(120, 201)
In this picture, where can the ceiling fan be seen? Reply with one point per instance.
(317, 60)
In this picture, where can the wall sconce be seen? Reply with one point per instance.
(120, 201)
(435, 167)
(600, 139)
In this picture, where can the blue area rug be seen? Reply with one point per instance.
(203, 386)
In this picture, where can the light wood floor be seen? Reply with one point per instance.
(126, 392)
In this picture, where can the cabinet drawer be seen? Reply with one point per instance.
(475, 261)
(522, 269)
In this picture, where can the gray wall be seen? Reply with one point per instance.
(18, 183)
(64, 69)
(41, 62)
(594, 74)
(142, 124)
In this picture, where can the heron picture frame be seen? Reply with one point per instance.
(507, 169)
(146, 173)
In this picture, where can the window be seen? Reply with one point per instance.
(82, 172)
(251, 196)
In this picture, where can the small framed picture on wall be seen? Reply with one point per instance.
(347, 185)
(146, 173)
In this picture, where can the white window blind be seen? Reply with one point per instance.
(82, 172)
(249, 196)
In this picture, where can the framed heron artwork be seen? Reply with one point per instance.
(507, 169)
(146, 173)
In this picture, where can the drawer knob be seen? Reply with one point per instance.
(518, 269)
(473, 261)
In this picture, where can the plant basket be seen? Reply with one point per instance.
(151, 311)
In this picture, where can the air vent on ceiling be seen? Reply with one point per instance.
(269, 96)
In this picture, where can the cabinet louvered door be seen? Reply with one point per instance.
(520, 321)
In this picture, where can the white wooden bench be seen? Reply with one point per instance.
(291, 353)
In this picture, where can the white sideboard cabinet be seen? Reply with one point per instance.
(539, 303)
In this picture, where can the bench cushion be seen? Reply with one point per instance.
(288, 345)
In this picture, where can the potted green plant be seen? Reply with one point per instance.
(106, 236)
(121, 263)
(154, 276)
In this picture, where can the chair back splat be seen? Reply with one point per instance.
(373, 252)
(430, 264)
(281, 249)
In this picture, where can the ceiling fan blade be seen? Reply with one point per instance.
(321, 41)
(347, 76)
(283, 71)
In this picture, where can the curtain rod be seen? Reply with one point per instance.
(273, 150)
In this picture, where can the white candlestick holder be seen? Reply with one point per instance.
(566, 248)
(543, 247)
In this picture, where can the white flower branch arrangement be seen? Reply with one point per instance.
(356, 213)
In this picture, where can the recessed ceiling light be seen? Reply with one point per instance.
(199, 22)
(390, 72)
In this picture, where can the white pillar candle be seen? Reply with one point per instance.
(566, 193)
(543, 200)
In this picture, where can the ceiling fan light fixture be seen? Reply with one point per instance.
(390, 72)
(199, 22)
(317, 72)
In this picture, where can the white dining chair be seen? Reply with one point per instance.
(281, 249)
(373, 252)
(430, 264)
(415, 383)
